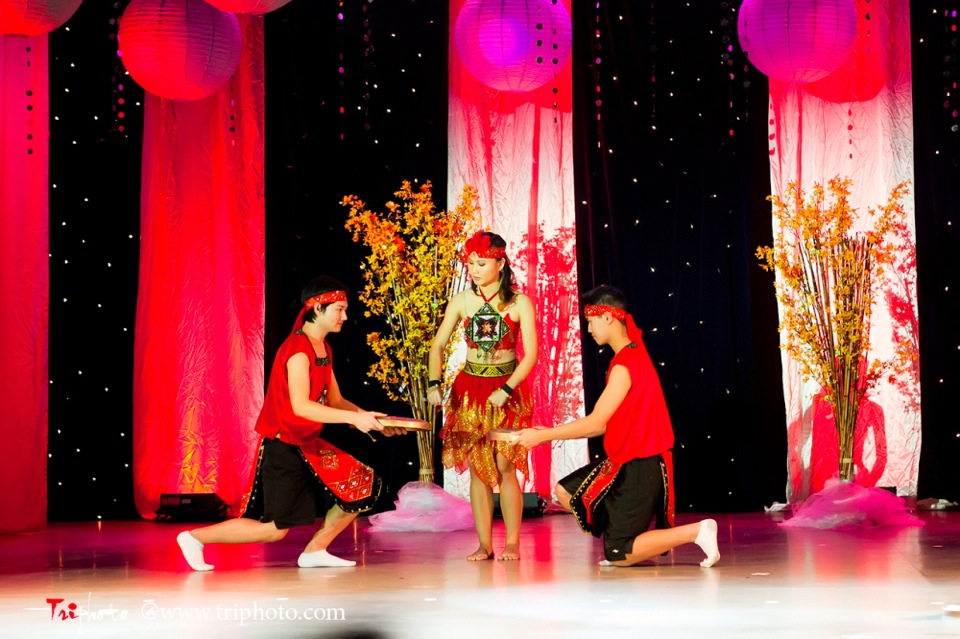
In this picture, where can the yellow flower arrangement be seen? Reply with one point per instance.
(827, 274)
(412, 270)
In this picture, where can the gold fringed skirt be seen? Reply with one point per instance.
(469, 417)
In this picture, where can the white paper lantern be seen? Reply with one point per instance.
(513, 45)
(797, 41)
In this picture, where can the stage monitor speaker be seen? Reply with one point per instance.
(533, 505)
(192, 507)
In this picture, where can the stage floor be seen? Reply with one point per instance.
(127, 579)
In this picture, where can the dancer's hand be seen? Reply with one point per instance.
(498, 397)
(434, 397)
(530, 437)
(365, 421)
(390, 431)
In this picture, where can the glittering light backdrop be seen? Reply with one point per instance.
(515, 146)
(857, 122)
(24, 279)
(198, 360)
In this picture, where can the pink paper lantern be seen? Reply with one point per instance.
(797, 41)
(248, 6)
(513, 45)
(868, 68)
(179, 49)
(34, 17)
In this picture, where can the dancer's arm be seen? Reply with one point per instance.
(528, 332)
(339, 410)
(618, 384)
(435, 360)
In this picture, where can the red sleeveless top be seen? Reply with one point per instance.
(276, 416)
(640, 427)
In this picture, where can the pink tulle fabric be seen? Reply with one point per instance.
(844, 504)
(424, 508)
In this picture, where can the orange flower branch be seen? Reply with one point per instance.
(412, 270)
(826, 276)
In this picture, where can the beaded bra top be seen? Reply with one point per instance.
(487, 330)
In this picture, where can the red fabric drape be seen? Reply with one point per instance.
(24, 280)
(198, 355)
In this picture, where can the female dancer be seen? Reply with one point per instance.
(490, 392)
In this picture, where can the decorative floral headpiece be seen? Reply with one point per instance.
(480, 244)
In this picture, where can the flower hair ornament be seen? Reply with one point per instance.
(480, 244)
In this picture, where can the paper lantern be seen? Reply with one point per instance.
(868, 67)
(179, 49)
(34, 17)
(797, 41)
(513, 45)
(248, 6)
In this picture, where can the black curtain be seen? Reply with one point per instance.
(937, 193)
(356, 103)
(672, 175)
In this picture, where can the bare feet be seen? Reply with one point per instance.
(707, 540)
(481, 554)
(511, 552)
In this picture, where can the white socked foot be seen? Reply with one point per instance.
(322, 559)
(192, 551)
(707, 540)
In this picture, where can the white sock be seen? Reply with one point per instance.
(605, 563)
(322, 559)
(707, 540)
(192, 551)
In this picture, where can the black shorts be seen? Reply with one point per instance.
(634, 498)
(290, 494)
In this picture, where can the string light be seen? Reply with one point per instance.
(950, 103)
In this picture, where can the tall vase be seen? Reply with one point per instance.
(845, 419)
(422, 409)
(425, 446)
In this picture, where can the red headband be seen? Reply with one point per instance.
(480, 244)
(327, 298)
(594, 310)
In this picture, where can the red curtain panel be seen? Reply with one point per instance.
(24, 280)
(198, 358)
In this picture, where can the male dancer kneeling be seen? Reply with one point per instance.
(616, 498)
(294, 464)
